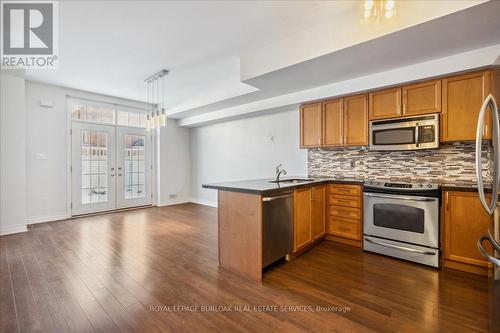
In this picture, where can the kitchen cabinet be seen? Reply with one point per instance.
(343, 122)
(422, 98)
(333, 116)
(302, 217)
(318, 221)
(385, 103)
(309, 215)
(463, 96)
(408, 100)
(345, 213)
(355, 120)
(465, 221)
(310, 125)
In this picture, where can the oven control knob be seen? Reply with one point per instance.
(429, 185)
(420, 185)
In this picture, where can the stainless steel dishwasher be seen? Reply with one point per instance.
(277, 226)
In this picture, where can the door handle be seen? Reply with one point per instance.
(404, 248)
(488, 102)
(398, 197)
(119, 175)
(112, 175)
(417, 134)
(267, 199)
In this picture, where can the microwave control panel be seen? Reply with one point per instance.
(427, 134)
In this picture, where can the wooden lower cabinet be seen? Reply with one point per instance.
(345, 213)
(318, 220)
(309, 215)
(465, 221)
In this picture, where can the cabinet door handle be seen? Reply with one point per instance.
(447, 201)
(343, 229)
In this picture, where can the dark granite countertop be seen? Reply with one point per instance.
(462, 186)
(261, 186)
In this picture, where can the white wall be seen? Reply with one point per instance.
(46, 133)
(245, 149)
(12, 153)
(174, 165)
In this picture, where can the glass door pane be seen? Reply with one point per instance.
(133, 163)
(134, 176)
(93, 165)
(94, 170)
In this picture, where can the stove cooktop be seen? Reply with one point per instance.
(401, 186)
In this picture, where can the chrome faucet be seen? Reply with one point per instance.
(279, 171)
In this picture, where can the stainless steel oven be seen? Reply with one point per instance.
(402, 220)
(408, 133)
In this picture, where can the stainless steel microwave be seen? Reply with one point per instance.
(409, 133)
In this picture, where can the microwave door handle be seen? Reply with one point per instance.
(417, 134)
(488, 102)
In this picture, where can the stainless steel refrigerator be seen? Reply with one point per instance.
(492, 207)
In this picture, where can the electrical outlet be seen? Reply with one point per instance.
(352, 164)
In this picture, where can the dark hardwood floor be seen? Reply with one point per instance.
(119, 272)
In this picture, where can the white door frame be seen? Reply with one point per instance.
(69, 186)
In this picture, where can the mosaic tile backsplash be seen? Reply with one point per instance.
(450, 163)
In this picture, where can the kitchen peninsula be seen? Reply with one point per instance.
(249, 236)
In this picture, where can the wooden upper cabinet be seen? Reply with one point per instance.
(422, 98)
(310, 125)
(385, 103)
(464, 222)
(356, 120)
(318, 211)
(463, 96)
(302, 217)
(332, 123)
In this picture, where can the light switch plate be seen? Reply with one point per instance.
(46, 103)
(41, 156)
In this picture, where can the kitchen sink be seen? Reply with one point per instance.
(293, 181)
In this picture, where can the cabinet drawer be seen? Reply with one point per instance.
(346, 212)
(345, 189)
(345, 200)
(344, 229)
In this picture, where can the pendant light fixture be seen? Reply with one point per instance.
(156, 94)
(379, 10)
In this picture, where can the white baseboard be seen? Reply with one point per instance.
(172, 202)
(47, 218)
(204, 202)
(13, 229)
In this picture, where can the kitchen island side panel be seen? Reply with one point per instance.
(240, 234)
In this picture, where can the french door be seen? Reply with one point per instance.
(111, 168)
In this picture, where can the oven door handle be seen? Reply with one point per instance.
(408, 249)
(400, 197)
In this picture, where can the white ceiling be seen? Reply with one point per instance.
(109, 47)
